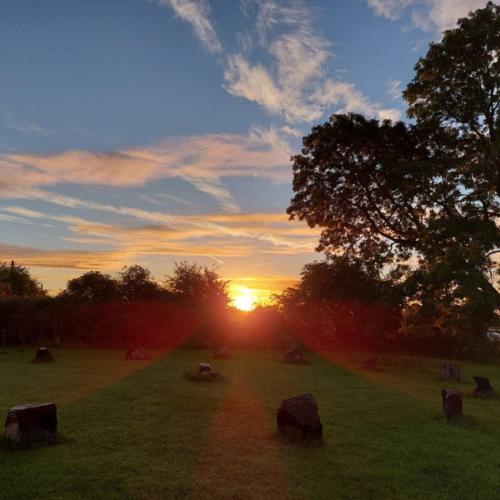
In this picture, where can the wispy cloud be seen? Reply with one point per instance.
(197, 14)
(293, 85)
(428, 15)
(202, 160)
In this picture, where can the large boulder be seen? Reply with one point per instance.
(32, 423)
(452, 403)
(298, 419)
(450, 371)
(483, 387)
(294, 356)
(43, 355)
(137, 354)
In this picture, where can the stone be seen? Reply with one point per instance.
(483, 387)
(370, 364)
(451, 371)
(204, 368)
(294, 356)
(452, 403)
(222, 353)
(32, 423)
(298, 419)
(137, 354)
(43, 355)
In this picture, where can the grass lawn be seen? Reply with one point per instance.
(137, 429)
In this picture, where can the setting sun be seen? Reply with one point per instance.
(244, 299)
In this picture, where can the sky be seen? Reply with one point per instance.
(158, 131)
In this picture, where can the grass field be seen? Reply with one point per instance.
(134, 430)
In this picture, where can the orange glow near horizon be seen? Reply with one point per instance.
(246, 298)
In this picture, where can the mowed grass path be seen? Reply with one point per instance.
(134, 430)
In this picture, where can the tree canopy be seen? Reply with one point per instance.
(17, 283)
(420, 200)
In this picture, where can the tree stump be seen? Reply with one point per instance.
(370, 364)
(452, 403)
(483, 387)
(294, 356)
(32, 423)
(298, 419)
(43, 355)
(451, 371)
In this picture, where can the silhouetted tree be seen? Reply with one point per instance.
(422, 199)
(91, 287)
(17, 283)
(197, 285)
(136, 284)
(341, 301)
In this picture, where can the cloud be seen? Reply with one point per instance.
(391, 9)
(71, 259)
(428, 15)
(346, 96)
(197, 14)
(203, 234)
(394, 89)
(291, 84)
(202, 160)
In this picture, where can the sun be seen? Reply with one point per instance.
(244, 299)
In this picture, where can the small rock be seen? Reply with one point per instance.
(43, 355)
(137, 354)
(32, 423)
(294, 356)
(204, 368)
(483, 387)
(298, 419)
(452, 403)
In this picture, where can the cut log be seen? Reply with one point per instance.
(483, 387)
(32, 423)
(43, 355)
(452, 403)
(298, 419)
(450, 371)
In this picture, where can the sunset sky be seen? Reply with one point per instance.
(155, 131)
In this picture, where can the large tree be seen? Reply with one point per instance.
(17, 283)
(422, 198)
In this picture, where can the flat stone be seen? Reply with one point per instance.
(32, 423)
(452, 403)
(298, 419)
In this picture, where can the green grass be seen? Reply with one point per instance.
(137, 429)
